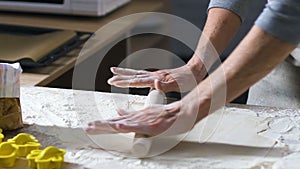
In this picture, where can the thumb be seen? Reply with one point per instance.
(159, 85)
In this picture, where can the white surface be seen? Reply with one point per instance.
(56, 119)
(280, 88)
(234, 127)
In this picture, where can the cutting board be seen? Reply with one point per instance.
(17, 47)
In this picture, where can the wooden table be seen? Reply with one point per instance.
(43, 76)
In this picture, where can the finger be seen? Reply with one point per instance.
(154, 116)
(94, 123)
(165, 86)
(118, 127)
(151, 127)
(173, 107)
(144, 119)
(117, 78)
(136, 82)
(117, 119)
(128, 117)
(99, 127)
(104, 127)
(126, 71)
(160, 85)
(139, 128)
(126, 77)
(159, 121)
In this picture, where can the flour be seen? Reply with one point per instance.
(290, 162)
(57, 117)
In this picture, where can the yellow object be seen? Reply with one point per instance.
(1, 136)
(8, 154)
(26, 143)
(49, 158)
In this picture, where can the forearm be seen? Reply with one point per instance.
(220, 28)
(254, 58)
(266, 45)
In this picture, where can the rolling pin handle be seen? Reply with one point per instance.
(142, 145)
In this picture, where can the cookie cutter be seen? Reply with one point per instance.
(1, 136)
(49, 158)
(8, 154)
(26, 143)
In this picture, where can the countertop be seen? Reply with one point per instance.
(57, 117)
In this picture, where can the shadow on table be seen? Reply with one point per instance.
(75, 139)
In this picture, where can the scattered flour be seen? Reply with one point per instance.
(57, 117)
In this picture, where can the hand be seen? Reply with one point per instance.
(175, 118)
(149, 121)
(182, 79)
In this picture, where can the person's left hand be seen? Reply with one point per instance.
(179, 117)
(149, 121)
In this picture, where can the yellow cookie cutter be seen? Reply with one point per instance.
(49, 158)
(1, 136)
(26, 143)
(8, 154)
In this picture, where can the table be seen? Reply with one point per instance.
(43, 76)
(52, 116)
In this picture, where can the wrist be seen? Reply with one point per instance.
(197, 67)
(199, 102)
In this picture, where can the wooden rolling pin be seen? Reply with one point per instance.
(142, 144)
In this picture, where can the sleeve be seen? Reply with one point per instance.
(239, 7)
(281, 18)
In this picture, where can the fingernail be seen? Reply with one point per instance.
(112, 69)
(110, 81)
(168, 107)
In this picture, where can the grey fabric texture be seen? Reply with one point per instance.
(239, 7)
(280, 18)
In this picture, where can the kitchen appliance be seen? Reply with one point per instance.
(72, 7)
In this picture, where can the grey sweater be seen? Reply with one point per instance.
(280, 18)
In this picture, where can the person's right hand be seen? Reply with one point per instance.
(182, 79)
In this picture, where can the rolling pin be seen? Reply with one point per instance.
(142, 144)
